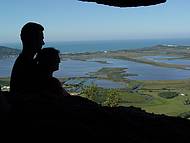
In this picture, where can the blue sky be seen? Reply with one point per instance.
(71, 20)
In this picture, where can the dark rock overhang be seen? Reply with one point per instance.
(127, 3)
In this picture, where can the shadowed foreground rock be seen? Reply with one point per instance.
(73, 116)
(127, 3)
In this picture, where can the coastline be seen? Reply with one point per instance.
(139, 93)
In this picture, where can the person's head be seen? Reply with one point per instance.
(32, 37)
(48, 59)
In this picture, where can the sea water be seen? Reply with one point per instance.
(111, 45)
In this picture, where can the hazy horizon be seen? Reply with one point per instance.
(99, 40)
(104, 45)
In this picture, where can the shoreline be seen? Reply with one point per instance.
(179, 52)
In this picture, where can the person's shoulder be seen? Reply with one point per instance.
(18, 62)
(24, 59)
(55, 81)
(19, 58)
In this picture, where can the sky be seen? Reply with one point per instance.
(72, 20)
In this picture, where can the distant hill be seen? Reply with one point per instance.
(166, 47)
(7, 52)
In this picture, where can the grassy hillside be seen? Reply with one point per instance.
(149, 99)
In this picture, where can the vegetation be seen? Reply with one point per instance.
(168, 95)
(106, 97)
(91, 92)
(187, 101)
(145, 97)
(185, 115)
(112, 98)
(115, 74)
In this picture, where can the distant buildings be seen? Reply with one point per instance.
(5, 88)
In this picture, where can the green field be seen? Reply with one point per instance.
(146, 93)
(148, 99)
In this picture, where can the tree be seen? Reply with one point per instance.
(91, 92)
(112, 98)
(106, 97)
(187, 101)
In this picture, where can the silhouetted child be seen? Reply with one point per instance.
(47, 62)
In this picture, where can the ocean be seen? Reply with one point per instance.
(109, 45)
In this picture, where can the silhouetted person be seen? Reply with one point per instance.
(24, 69)
(47, 62)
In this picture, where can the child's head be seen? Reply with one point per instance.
(48, 58)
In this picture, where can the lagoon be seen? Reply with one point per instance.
(169, 60)
(77, 68)
(148, 72)
(6, 66)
